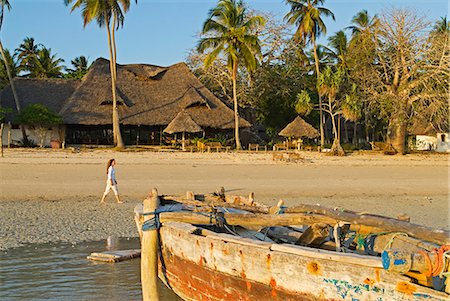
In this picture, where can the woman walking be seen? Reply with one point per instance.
(111, 182)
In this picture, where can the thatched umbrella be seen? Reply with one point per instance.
(299, 129)
(182, 123)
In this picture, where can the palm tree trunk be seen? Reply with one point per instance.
(316, 60)
(115, 115)
(236, 113)
(120, 143)
(14, 92)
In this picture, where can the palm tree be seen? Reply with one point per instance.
(46, 65)
(441, 26)
(81, 67)
(13, 65)
(5, 4)
(109, 14)
(27, 52)
(362, 22)
(307, 16)
(231, 33)
(338, 45)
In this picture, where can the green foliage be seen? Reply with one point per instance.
(13, 67)
(230, 32)
(38, 115)
(3, 112)
(303, 106)
(46, 65)
(351, 106)
(80, 65)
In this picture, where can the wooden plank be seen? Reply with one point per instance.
(387, 224)
(368, 261)
(115, 256)
(261, 220)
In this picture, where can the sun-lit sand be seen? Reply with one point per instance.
(49, 195)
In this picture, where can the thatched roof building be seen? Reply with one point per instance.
(149, 98)
(182, 123)
(148, 95)
(50, 92)
(299, 129)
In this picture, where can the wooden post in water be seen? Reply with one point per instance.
(149, 252)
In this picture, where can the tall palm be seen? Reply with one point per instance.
(5, 4)
(307, 16)
(27, 52)
(109, 14)
(46, 65)
(230, 31)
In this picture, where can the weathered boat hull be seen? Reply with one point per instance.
(212, 266)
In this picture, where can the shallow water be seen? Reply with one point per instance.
(62, 272)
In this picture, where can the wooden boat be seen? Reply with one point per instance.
(217, 247)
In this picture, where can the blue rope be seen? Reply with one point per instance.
(152, 223)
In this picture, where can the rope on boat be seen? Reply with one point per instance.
(361, 239)
(152, 223)
(443, 255)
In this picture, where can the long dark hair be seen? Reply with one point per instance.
(110, 161)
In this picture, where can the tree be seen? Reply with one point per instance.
(13, 67)
(230, 33)
(338, 48)
(362, 23)
(46, 65)
(408, 76)
(330, 85)
(27, 53)
(5, 4)
(39, 118)
(80, 65)
(307, 16)
(109, 14)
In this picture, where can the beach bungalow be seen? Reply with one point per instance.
(149, 98)
(426, 138)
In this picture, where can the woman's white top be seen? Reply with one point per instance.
(112, 174)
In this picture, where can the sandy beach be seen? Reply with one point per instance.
(52, 195)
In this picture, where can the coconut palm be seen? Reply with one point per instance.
(46, 65)
(362, 22)
(13, 65)
(307, 16)
(27, 53)
(109, 14)
(230, 32)
(5, 4)
(80, 65)
(338, 45)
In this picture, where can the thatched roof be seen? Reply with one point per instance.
(50, 92)
(299, 129)
(182, 123)
(421, 127)
(148, 95)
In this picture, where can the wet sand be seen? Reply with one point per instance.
(53, 195)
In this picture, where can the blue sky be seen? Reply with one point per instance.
(159, 32)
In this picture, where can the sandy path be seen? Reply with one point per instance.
(67, 183)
